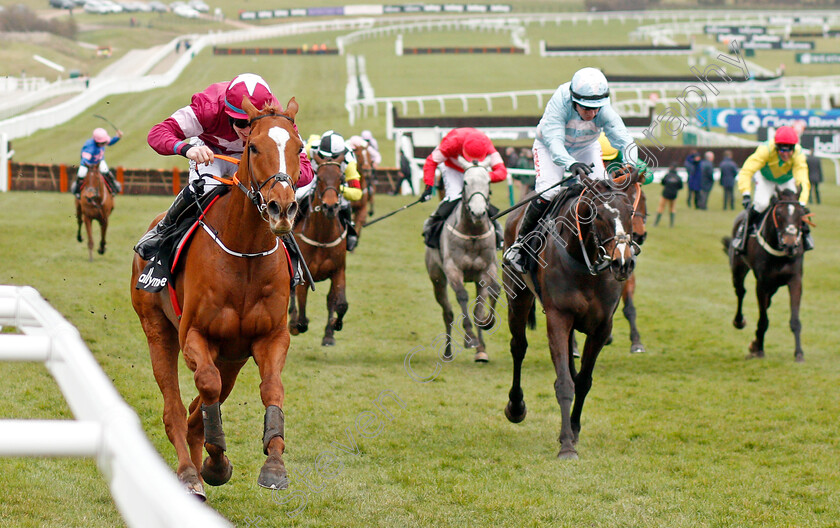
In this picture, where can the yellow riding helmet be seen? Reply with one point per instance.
(608, 152)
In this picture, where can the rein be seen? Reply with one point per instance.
(317, 209)
(602, 262)
(760, 237)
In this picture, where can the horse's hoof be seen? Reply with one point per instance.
(302, 327)
(101, 251)
(328, 341)
(637, 349)
(470, 342)
(216, 474)
(481, 357)
(608, 341)
(293, 330)
(576, 353)
(740, 324)
(79, 238)
(514, 417)
(567, 454)
(799, 357)
(755, 354)
(189, 478)
(338, 325)
(273, 474)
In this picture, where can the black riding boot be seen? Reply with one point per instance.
(807, 239)
(345, 214)
(434, 224)
(739, 242)
(112, 182)
(515, 256)
(149, 243)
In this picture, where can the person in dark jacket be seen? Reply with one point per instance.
(815, 176)
(707, 178)
(671, 185)
(692, 166)
(728, 173)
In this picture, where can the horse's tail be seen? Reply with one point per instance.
(727, 242)
(532, 316)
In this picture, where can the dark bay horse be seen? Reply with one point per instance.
(96, 203)
(323, 243)
(362, 208)
(234, 290)
(467, 253)
(776, 256)
(583, 259)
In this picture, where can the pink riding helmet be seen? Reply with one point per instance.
(101, 136)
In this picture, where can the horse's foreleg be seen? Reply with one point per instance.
(520, 306)
(270, 356)
(208, 381)
(293, 313)
(795, 290)
(302, 322)
(439, 284)
(78, 221)
(764, 295)
(629, 312)
(164, 350)
(103, 228)
(456, 280)
(583, 380)
(559, 328)
(336, 303)
(487, 291)
(739, 272)
(89, 231)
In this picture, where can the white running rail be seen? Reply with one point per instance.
(144, 489)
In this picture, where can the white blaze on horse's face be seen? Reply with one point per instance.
(620, 233)
(281, 137)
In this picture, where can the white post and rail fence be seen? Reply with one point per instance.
(145, 490)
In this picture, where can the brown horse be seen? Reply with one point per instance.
(323, 244)
(582, 260)
(360, 207)
(234, 290)
(776, 257)
(629, 289)
(96, 203)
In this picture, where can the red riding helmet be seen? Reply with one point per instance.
(477, 146)
(786, 135)
(247, 84)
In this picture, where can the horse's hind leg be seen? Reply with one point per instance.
(739, 272)
(795, 290)
(270, 356)
(301, 323)
(163, 350)
(520, 308)
(456, 280)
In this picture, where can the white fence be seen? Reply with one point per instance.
(144, 489)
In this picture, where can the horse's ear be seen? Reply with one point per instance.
(291, 108)
(249, 108)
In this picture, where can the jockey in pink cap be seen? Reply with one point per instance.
(217, 125)
(93, 153)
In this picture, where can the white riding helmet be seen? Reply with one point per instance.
(589, 88)
(332, 145)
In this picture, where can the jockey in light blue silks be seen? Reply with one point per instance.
(567, 140)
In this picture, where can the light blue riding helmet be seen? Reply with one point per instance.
(590, 88)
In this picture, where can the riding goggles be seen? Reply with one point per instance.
(785, 148)
(241, 123)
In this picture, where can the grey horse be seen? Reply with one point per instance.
(467, 253)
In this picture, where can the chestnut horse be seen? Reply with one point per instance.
(776, 256)
(629, 289)
(360, 207)
(323, 244)
(96, 203)
(583, 259)
(234, 290)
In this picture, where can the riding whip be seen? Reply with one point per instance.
(526, 201)
(116, 128)
(406, 206)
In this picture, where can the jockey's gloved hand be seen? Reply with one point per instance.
(580, 170)
(644, 172)
(745, 201)
(427, 194)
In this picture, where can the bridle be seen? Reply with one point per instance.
(254, 191)
(320, 193)
(602, 260)
(779, 232)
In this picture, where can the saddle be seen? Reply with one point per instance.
(161, 270)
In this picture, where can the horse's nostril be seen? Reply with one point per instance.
(273, 208)
(292, 210)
